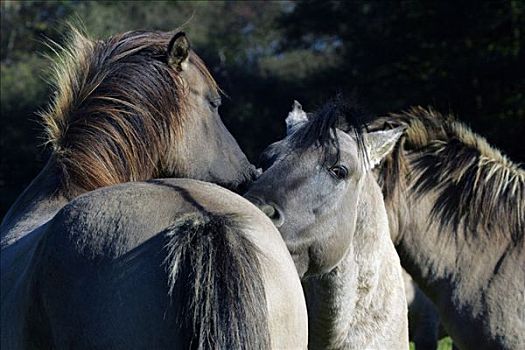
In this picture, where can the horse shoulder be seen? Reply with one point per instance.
(506, 319)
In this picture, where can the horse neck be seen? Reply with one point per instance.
(356, 301)
(458, 269)
(36, 205)
(432, 251)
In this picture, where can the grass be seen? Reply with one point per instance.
(443, 344)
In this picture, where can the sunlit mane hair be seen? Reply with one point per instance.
(117, 107)
(475, 184)
(320, 129)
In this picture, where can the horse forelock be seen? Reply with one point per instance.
(321, 129)
(474, 183)
(117, 106)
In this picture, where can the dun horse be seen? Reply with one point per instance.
(134, 107)
(140, 265)
(456, 209)
(423, 319)
(319, 190)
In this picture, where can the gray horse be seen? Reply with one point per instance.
(96, 275)
(424, 325)
(134, 107)
(169, 264)
(456, 209)
(319, 191)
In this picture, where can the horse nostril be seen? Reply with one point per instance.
(273, 213)
(268, 210)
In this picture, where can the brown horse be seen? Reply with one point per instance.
(456, 210)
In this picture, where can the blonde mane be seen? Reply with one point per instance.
(474, 182)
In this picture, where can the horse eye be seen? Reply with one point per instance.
(340, 172)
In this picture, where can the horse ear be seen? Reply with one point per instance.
(295, 118)
(380, 143)
(178, 50)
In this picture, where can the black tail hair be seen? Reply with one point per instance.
(215, 273)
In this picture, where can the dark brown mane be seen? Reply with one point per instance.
(475, 184)
(116, 109)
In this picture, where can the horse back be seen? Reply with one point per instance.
(105, 274)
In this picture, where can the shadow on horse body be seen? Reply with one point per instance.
(423, 319)
(319, 191)
(106, 271)
(457, 218)
(180, 264)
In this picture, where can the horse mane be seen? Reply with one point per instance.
(117, 106)
(474, 182)
(320, 129)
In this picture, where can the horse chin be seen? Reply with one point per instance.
(251, 176)
(243, 187)
(237, 187)
(242, 184)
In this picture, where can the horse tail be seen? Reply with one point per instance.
(214, 272)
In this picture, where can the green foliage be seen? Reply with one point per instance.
(443, 344)
(21, 83)
(465, 58)
(22, 93)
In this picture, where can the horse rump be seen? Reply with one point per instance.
(214, 271)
